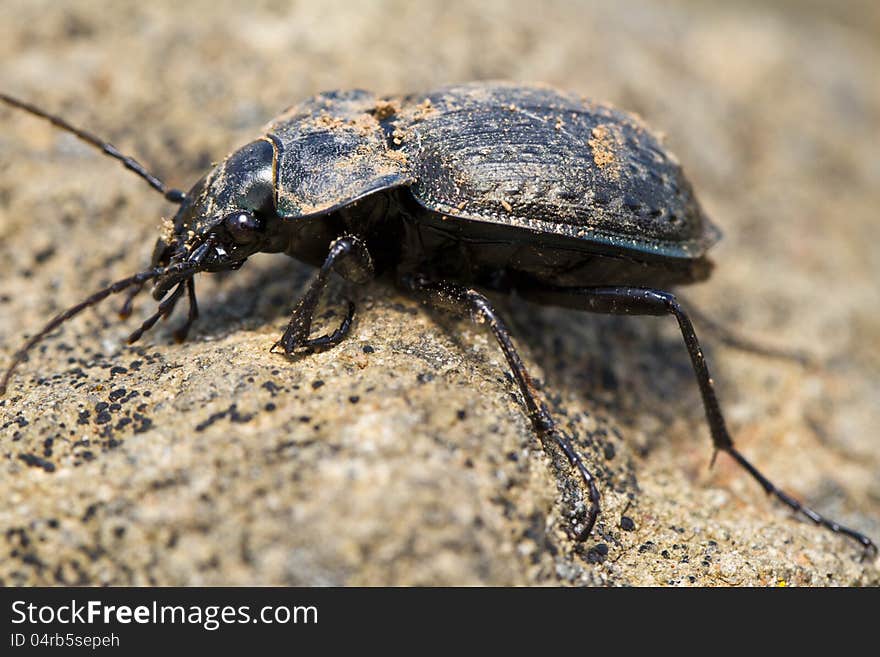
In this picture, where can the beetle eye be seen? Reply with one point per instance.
(243, 227)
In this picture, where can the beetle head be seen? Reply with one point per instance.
(227, 217)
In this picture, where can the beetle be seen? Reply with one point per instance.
(482, 187)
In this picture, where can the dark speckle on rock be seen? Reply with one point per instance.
(232, 413)
(608, 451)
(90, 512)
(212, 419)
(37, 462)
(240, 418)
(597, 554)
(142, 423)
(43, 255)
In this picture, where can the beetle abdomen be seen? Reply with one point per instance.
(533, 157)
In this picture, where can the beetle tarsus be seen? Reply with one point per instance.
(348, 254)
(869, 546)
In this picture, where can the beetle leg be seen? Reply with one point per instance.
(349, 257)
(95, 298)
(461, 299)
(127, 306)
(333, 339)
(163, 311)
(644, 301)
(193, 314)
(734, 340)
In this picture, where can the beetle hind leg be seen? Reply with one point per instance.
(349, 257)
(460, 299)
(645, 301)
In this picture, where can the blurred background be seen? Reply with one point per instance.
(773, 109)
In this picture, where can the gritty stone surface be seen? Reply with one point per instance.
(403, 456)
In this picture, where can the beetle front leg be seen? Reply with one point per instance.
(463, 300)
(348, 257)
(193, 314)
(645, 301)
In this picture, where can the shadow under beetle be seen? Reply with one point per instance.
(484, 186)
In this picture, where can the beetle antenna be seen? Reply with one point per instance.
(170, 194)
(137, 279)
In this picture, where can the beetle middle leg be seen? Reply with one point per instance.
(349, 257)
(646, 301)
(461, 299)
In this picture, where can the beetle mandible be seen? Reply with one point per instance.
(470, 188)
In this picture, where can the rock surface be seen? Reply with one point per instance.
(403, 456)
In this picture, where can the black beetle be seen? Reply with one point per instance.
(496, 187)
